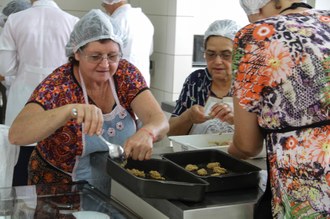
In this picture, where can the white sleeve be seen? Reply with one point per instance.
(8, 50)
(8, 63)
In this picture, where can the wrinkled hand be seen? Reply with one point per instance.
(196, 114)
(139, 146)
(90, 115)
(223, 112)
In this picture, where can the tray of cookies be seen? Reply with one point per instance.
(157, 178)
(219, 169)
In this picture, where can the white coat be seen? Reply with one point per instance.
(139, 31)
(32, 45)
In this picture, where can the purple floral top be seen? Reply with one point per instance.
(281, 65)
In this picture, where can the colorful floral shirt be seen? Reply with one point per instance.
(280, 69)
(61, 88)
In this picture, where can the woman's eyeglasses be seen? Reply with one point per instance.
(98, 58)
(224, 55)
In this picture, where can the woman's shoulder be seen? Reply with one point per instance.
(199, 76)
(129, 73)
(61, 76)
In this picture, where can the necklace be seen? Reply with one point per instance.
(296, 5)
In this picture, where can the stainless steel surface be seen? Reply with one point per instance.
(237, 204)
(115, 151)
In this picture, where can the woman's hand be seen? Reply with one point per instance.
(88, 114)
(197, 115)
(223, 112)
(139, 146)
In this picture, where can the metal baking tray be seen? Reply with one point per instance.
(178, 184)
(240, 174)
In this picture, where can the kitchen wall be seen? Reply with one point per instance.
(175, 22)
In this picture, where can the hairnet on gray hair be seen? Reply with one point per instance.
(111, 2)
(252, 6)
(93, 26)
(15, 6)
(225, 28)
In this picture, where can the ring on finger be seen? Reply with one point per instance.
(74, 112)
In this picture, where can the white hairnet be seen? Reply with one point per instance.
(15, 6)
(253, 6)
(225, 28)
(111, 2)
(93, 26)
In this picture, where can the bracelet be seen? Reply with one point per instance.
(149, 133)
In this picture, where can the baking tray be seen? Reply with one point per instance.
(240, 173)
(178, 184)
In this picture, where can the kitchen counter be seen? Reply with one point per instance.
(236, 204)
(227, 204)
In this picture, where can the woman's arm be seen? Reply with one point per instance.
(34, 124)
(151, 115)
(155, 126)
(248, 140)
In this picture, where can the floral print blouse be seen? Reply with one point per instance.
(281, 65)
(61, 88)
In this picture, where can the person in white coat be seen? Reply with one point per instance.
(32, 45)
(11, 8)
(139, 45)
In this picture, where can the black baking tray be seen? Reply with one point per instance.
(178, 184)
(241, 174)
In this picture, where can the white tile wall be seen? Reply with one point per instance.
(322, 4)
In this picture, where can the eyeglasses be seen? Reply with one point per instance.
(98, 58)
(224, 55)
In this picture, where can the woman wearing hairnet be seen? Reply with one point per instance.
(190, 115)
(281, 95)
(13, 7)
(96, 93)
